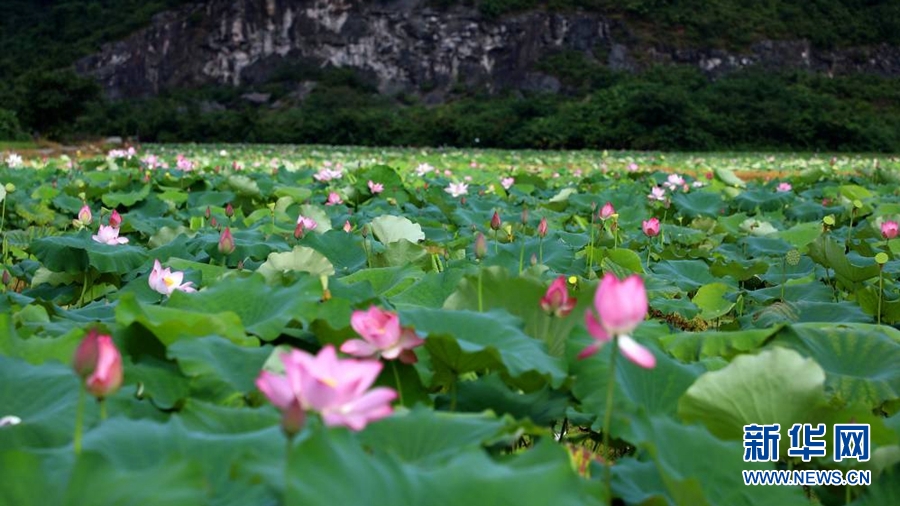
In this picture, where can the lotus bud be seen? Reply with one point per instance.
(542, 228)
(480, 246)
(84, 215)
(226, 242)
(115, 219)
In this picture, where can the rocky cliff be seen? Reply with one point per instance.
(411, 46)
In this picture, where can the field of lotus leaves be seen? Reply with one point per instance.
(258, 325)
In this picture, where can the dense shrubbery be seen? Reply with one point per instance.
(665, 108)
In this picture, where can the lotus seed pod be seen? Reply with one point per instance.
(793, 257)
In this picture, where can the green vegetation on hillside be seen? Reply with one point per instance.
(664, 108)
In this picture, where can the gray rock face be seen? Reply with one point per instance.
(407, 46)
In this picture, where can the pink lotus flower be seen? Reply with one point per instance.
(347, 226)
(783, 187)
(657, 193)
(84, 215)
(557, 301)
(229, 210)
(308, 223)
(507, 182)
(633, 167)
(674, 181)
(889, 229)
(184, 164)
(164, 281)
(115, 219)
(327, 174)
(650, 227)
(109, 235)
(333, 199)
(621, 306)
(381, 336)
(423, 169)
(335, 388)
(542, 228)
(457, 189)
(607, 211)
(375, 188)
(151, 161)
(98, 362)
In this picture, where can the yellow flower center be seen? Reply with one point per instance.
(329, 381)
(168, 281)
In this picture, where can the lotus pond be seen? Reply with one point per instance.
(258, 325)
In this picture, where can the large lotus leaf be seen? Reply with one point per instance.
(171, 324)
(637, 390)
(868, 301)
(698, 203)
(343, 250)
(243, 185)
(37, 349)
(762, 199)
(520, 297)
(777, 385)
(208, 272)
(386, 281)
(542, 407)
(159, 381)
(711, 300)
(695, 346)
(218, 368)
(860, 361)
(801, 234)
(319, 465)
(465, 341)
(431, 290)
(884, 490)
(623, 262)
(264, 310)
(402, 253)
(128, 198)
(828, 253)
(389, 228)
(44, 397)
(26, 479)
(727, 176)
(218, 456)
(75, 254)
(671, 471)
(247, 244)
(687, 275)
(426, 436)
(300, 259)
(172, 483)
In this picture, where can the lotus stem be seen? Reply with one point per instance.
(541, 251)
(397, 379)
(607, 417)
(591, 249)
(480, 297)
(102, 402)
(783, 276)
(79, 421)
(522, 256)
(880, 292)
